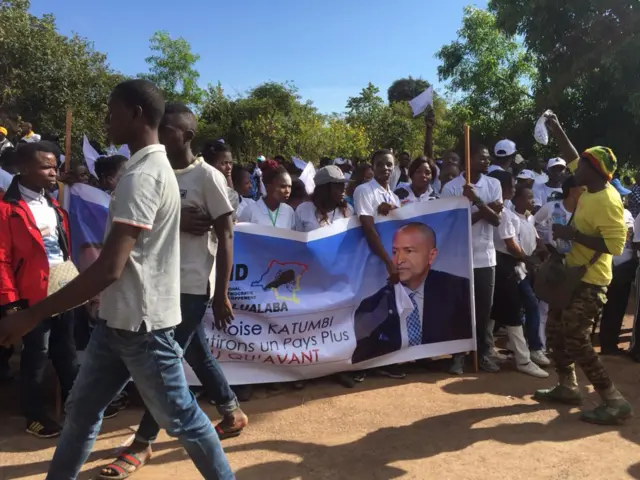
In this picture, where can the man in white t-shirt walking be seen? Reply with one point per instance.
(137, 273)
(203, 188)
(485, 195)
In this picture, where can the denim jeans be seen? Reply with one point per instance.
(154, 361)
(484, 280)
(191, 337)
(531, 314)
(53, 338)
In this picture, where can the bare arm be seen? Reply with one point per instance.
(374, 242)
(567, 150)
(514, 249)
(223, 226)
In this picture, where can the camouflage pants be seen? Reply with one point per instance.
(569, 335)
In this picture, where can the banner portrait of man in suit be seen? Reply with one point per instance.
(427, 306)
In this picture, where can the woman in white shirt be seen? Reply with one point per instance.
(420, 189)
(371, 200)
(506, 300)
(272, 209)
(327, 202)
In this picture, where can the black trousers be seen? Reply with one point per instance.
(483, 285)
(616, 306)
(54, 339)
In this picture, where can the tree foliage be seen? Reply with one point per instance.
(42, 73)
(587, 54)
(405, 89)
(489, 73)
(172, 69)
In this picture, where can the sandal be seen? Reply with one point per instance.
(223, 433)
(125, 465)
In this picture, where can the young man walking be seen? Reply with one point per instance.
(137, 273)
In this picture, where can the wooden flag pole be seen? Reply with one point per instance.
(67, 164)
(467, 154)
(467, 175)
(67, 142)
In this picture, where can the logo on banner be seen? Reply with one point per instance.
(283, 279)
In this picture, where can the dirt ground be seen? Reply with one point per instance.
(429, 425)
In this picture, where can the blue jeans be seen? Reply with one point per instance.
(53, 338)
(192, 339)
(531, 314)
(154, 361)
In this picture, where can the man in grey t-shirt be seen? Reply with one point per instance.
(138, 272)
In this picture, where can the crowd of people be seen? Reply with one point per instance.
(165, 200)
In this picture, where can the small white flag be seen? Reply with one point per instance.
(90, 155)
(422, 101)
(307, 176)
(301, 164)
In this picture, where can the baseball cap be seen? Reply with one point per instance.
(261, 158)
(555, 162)
(329, 174)
(618, 186)
(341, 161)
(526, 175)
(504, 148)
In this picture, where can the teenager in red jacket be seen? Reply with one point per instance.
(34, 235)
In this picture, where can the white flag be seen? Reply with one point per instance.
(301, 164)
(307, 176)
(422, 101)
(90, 155)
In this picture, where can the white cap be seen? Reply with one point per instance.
(504, 148)
(554, 162)
(526, 175)
(261, 158)
(341, 161)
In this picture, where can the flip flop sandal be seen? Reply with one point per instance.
(125, 465)
(229, 433)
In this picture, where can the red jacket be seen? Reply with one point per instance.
(24, 267)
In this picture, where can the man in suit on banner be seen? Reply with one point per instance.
(437, 304)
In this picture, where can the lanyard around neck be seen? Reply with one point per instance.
(273, 218)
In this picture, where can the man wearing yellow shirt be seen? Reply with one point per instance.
(596, 232)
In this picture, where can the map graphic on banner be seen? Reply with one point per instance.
(318, 303)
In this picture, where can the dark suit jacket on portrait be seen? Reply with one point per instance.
(446, 316)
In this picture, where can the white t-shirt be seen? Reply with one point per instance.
(543, 220)
(205, 188)
(369, 196)
(258, 213)
(528, 237)
(244, 202)
(627, 253)
(411, 198)
(543, 194)
(489, 191)
(509, 228)
(307, 219)
(46, 221)
(493, 168)
(5, 180)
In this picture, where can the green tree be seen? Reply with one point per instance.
(490, 74)
(405, 89)
(172, 68)
(42, 73)
(587, 54)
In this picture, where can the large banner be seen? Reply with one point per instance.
(313, 304)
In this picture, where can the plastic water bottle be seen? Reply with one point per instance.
(558, 217)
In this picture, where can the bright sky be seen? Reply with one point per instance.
(330, 49)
